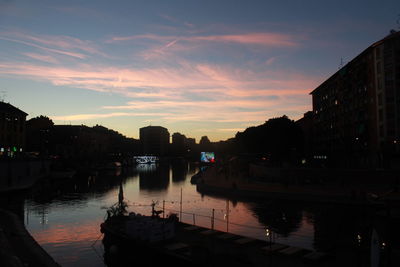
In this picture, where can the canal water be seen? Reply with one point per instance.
(64, 216)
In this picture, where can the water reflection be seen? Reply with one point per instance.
(154, 178)
(179, 171)
(64, 215)
(338, 226)
(282, 217)
(142, 168)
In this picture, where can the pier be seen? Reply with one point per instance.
(199, 246)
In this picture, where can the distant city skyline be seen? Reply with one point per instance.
(199, 68)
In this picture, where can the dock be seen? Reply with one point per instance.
(198, 246)
(211, 248)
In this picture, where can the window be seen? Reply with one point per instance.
(379, 83)
(378, 52)
(378, 67)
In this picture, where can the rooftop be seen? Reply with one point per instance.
(6, 107)
(393, 34)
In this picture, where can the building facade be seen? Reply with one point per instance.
(179, 144)
(12, 129)
(356, 112)
(154, 140)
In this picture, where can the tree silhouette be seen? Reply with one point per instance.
(280, 138)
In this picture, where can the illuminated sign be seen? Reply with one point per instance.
(145, 159)
(207, 157)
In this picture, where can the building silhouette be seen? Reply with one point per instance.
(154, 140)
(12, 129)
(38, 132)
(76, 142)
(307, 127)
(179, 144)
(356, 111)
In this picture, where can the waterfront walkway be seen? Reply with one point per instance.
(17, 247)
(215, 182)
(206, 247)
(215, 248)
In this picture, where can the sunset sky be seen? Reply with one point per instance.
(195, 67)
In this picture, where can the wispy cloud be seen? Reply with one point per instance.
(263, 39)
(178, 88)
(167, 82)
(230, 129)
(257, 38)
(42, 57)
(63, 45)
(52, 50)
(92, 116)
(190, 92)
(81, 117)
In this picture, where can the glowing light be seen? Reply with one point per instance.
(207, 157)
(145, 159)
(267, 232)
(359, 239)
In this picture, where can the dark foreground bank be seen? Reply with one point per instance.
(17, 246)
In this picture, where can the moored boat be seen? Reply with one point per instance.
(142, 240)
(62, 174)
(135, 238)
(196, 178)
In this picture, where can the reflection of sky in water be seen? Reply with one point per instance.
(68, 225)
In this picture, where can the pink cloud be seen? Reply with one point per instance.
(93, 116)
(195, 78)
(65, 45)
(57, 51)
(170, 47)
(40, 57)
(227, 94)
(263, 39)
(270, 61)
(230, 129)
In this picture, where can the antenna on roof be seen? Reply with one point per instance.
(341, 63)
(3, 95)
(398, 20)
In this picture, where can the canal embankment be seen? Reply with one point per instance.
(17, 247)
(217, 182)
(20, 174)
(198, 246)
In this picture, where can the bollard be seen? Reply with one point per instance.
(180, 208)
(212, 219)
(163, 209)
(227, 216)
